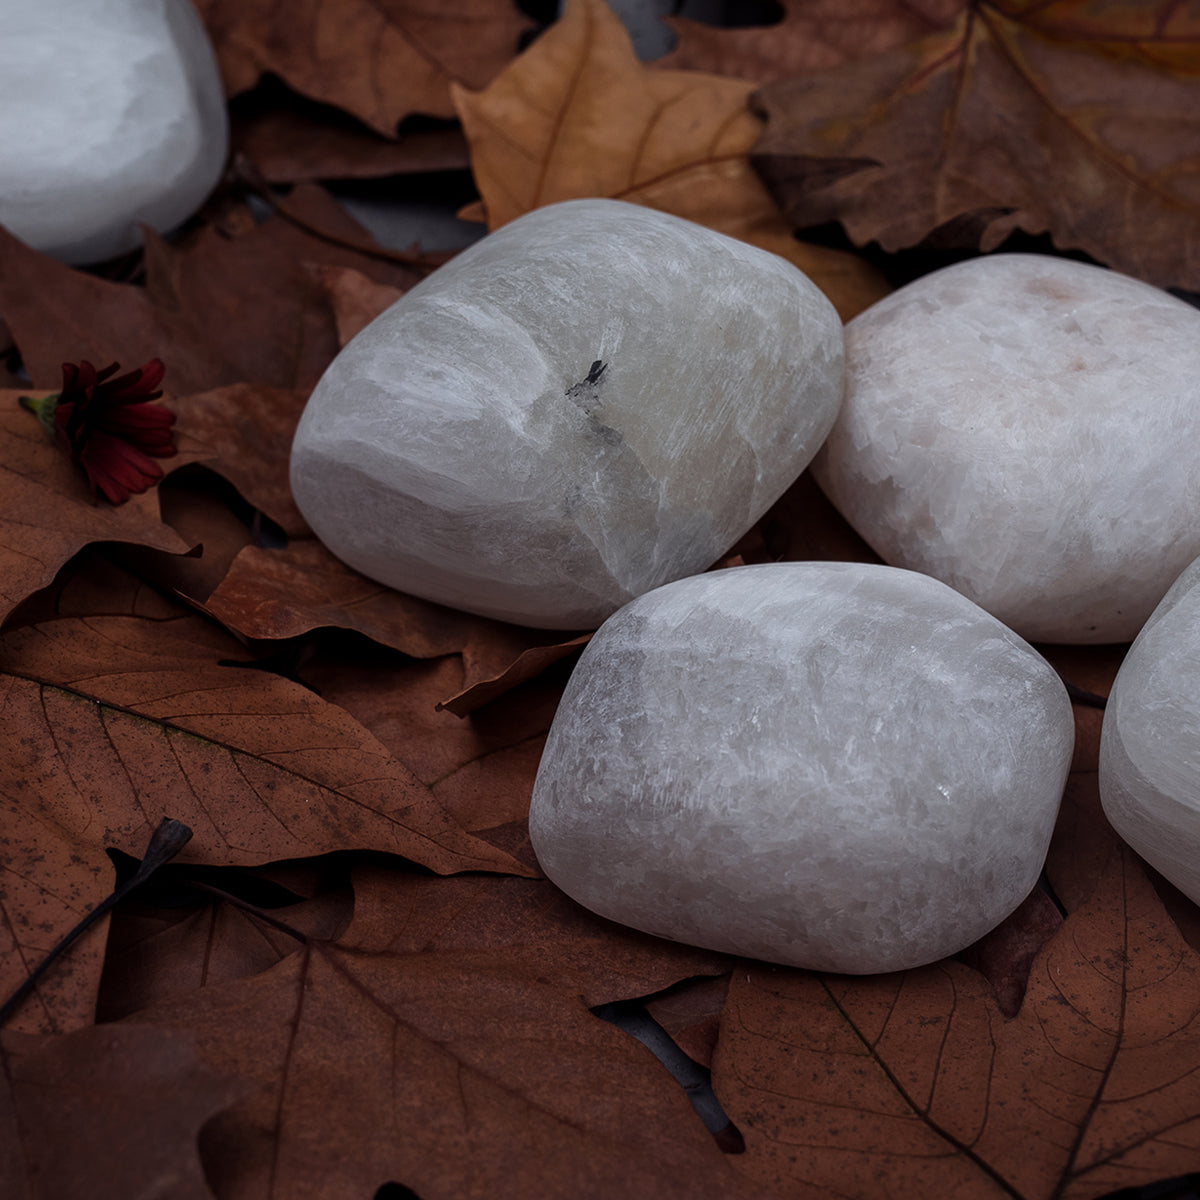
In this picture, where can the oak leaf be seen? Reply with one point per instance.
(378, 59)
(112, 1111)
(47, 511)
(837, 1082)
(577, 115)
(811, 35)
(107, 724)
(444, 1044)
(1079, 121)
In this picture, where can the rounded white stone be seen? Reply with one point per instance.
(111, 113)
(831, 765)
(1150, 740)
(592, 401)
(1026, 429)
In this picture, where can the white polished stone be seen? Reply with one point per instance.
(591, 401)
(1150, 741)
(1026, 429)
(836, 766)
(111, 113)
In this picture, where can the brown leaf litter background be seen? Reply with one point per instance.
(353, 981)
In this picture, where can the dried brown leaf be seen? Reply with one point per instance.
(444, 1044)
(109, 724)
(47, 511)
(292, 146)
(106, 1111)
(378, 59)
(1077, 120)
(837, 1082)
(577, 115)
(218, 309)
(811, 35)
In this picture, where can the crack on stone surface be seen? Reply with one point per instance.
(586, 394)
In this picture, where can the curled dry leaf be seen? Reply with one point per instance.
(111, 1109)
(812, 35)
(445, 1038)
(1077, 120)
(577, 115)
(917, 1078)
(107, 724)
(47, 513)
(378, 59)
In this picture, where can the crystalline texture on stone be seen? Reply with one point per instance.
(589, 402)
(1026, 429)
(111, 113)
(1150, 741)
(836, 766)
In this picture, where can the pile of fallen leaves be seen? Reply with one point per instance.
(351, 980)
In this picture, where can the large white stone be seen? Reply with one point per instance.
(1026, 429)
(591, 401)
(111, 114)
(1150, 741)
(830, 765)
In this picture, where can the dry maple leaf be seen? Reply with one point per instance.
(444, 1043)
(1079, 120)
(838, 1082)
(47, 513)
(812, 35)
(114, 1112)
(577, 115)
(377, 59)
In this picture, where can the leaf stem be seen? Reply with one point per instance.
(252, 909)
(167, 840)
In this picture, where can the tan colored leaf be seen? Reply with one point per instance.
(444, 1044)
(812, 35)
(577, 115)
(108, 724)
(356, 300)
(1077, 120)
(839, 1082)
(47, 511)
(377, 59)
(113, 1112)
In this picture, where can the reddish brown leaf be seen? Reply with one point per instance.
(812, 35)
(481, 770)
(217, 310)
(444, 1044)
(578, 115)
(691, 1015)
(110, 723)
(291, 146)
(839, 1082)
(48, 513)
(1079, 120)
(355, 299)
(377, 59)
(244, 433)
(112, 1112)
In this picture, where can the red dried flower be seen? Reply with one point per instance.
(110, 426)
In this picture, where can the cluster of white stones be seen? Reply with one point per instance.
(594, 400)
(831, 765)
(111, 114)
(834, 766)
